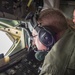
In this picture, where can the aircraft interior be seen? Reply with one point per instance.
(17, 19)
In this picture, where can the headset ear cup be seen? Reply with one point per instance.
(46, 38)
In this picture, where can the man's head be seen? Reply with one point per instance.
(52, 20)
(74, 16)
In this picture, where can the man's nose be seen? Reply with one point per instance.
(33, 41)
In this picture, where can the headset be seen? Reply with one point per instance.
(46, 36)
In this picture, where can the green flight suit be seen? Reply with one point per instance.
(60, 60)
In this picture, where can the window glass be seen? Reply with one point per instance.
(5, 43)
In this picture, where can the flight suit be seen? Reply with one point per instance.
(60, 60)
